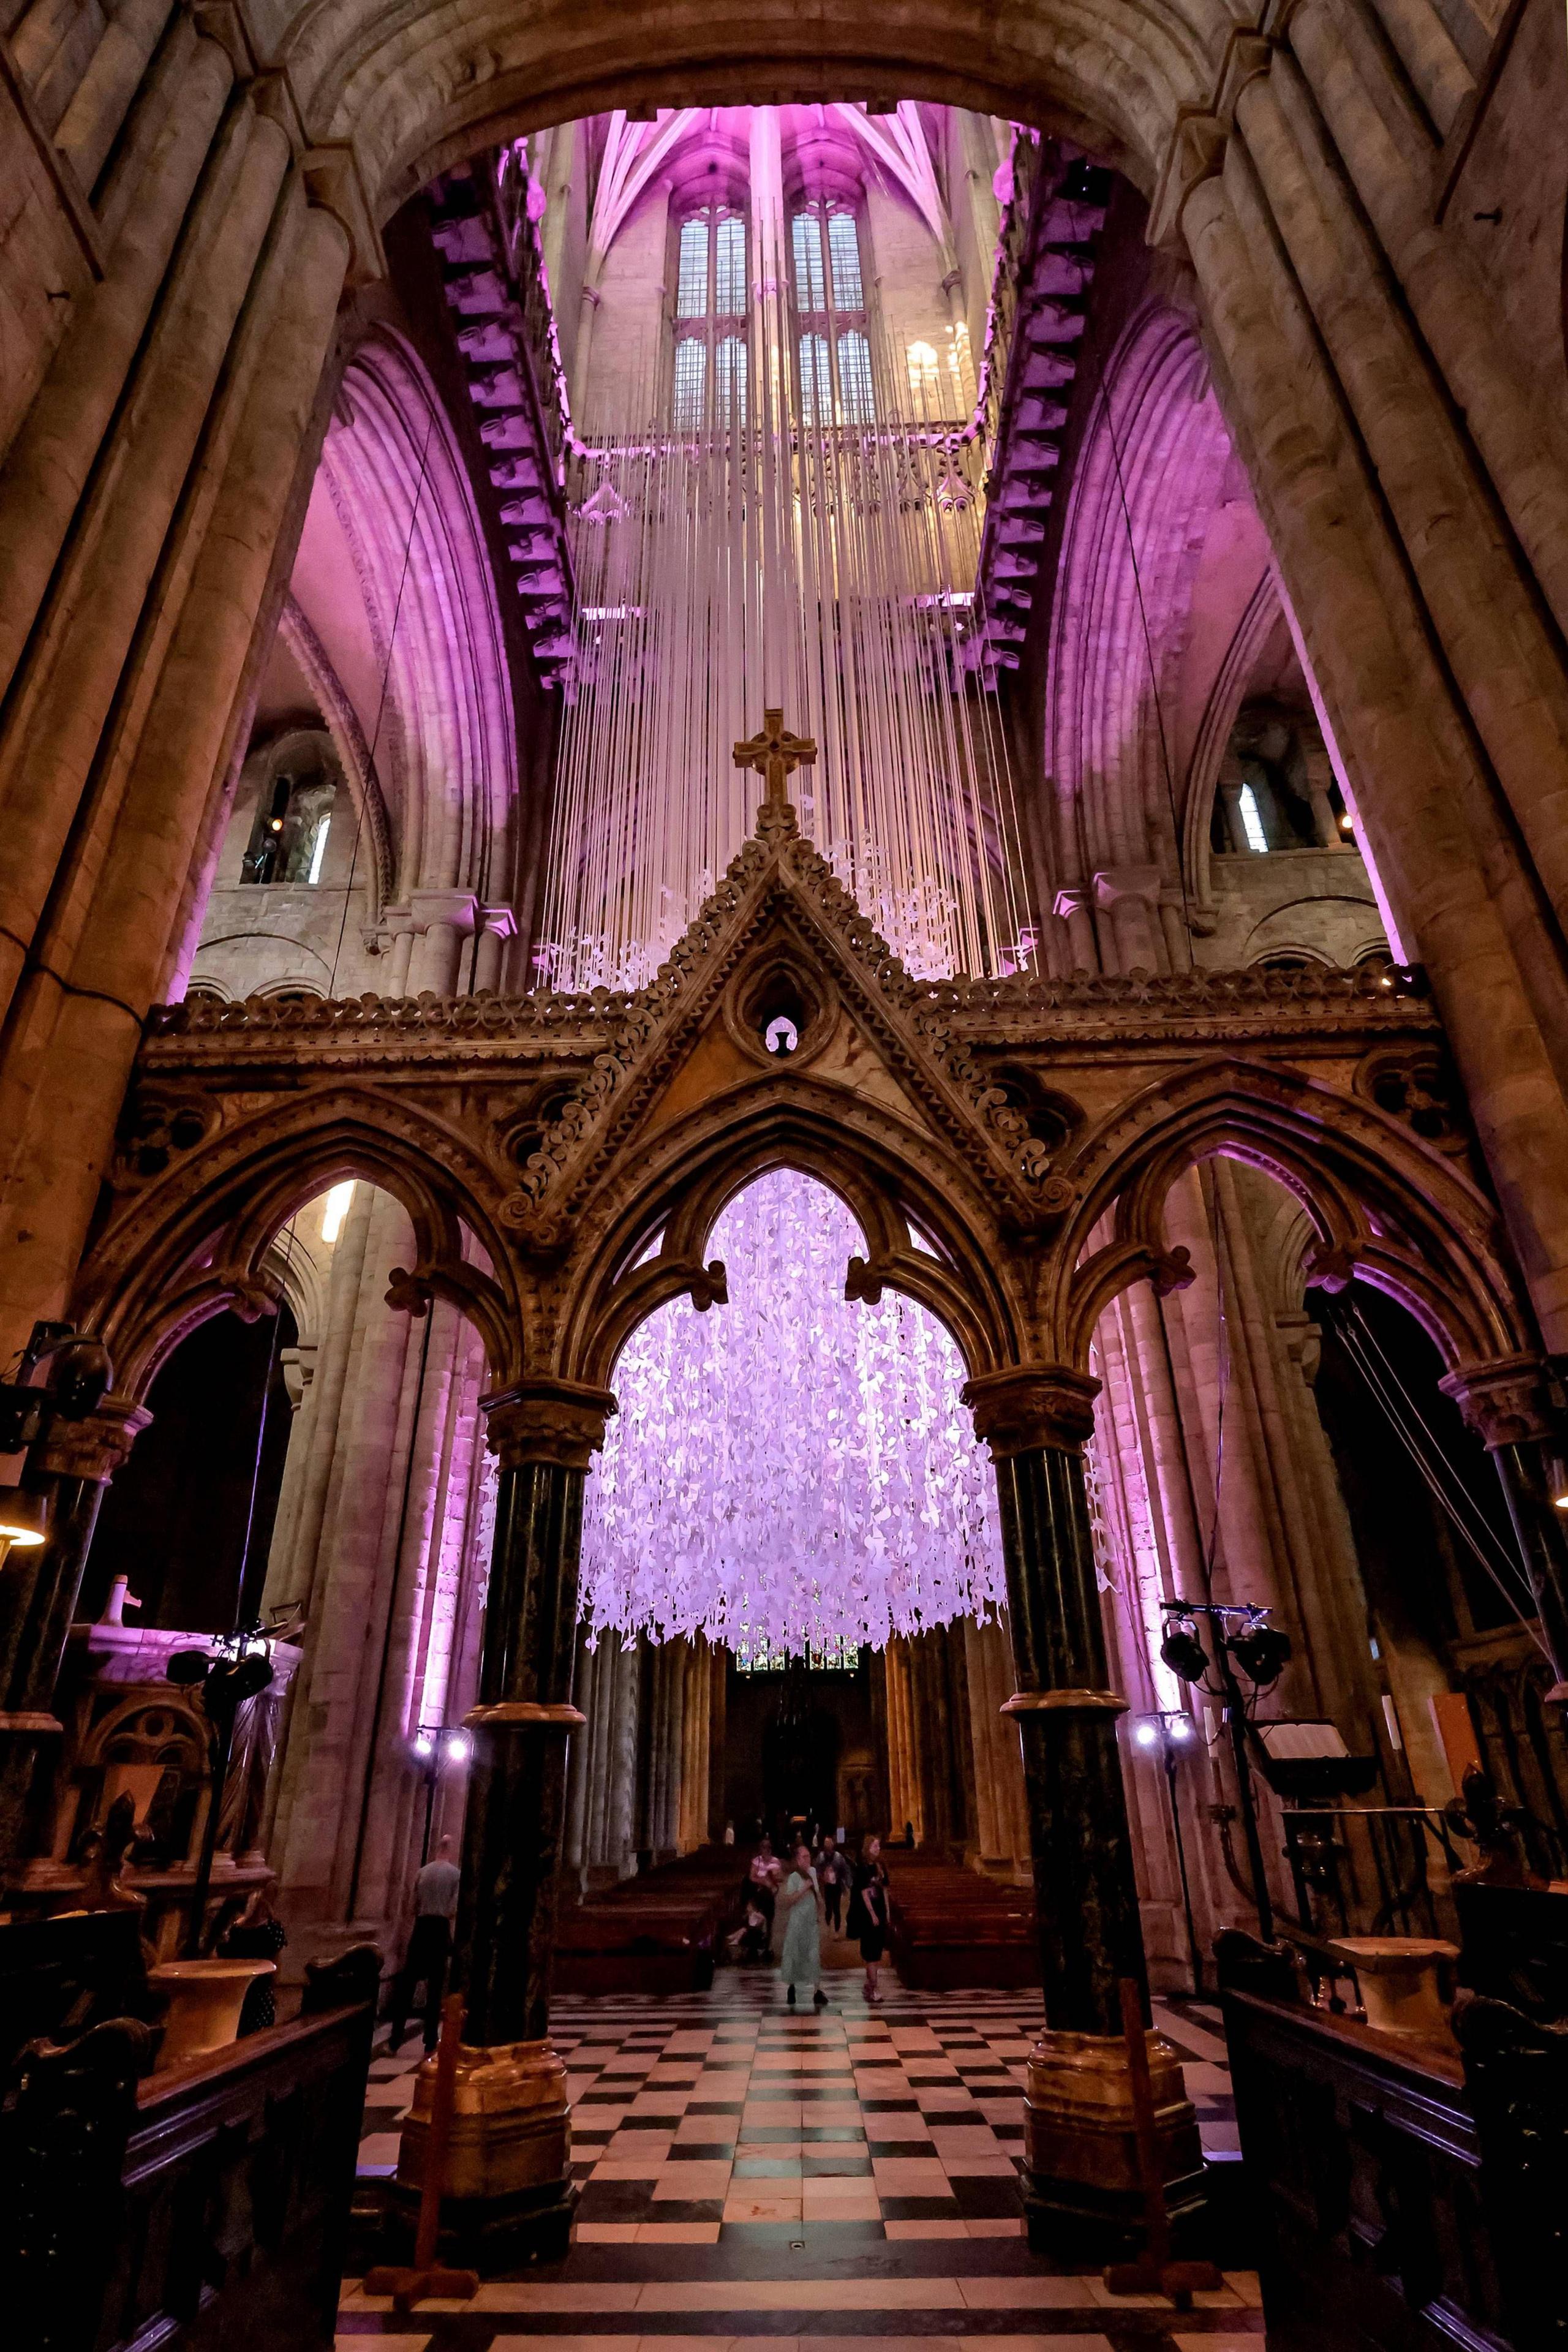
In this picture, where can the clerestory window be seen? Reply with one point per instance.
(288, 838)
(709, 385)
(834, 348)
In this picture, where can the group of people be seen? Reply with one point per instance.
(790, 1899)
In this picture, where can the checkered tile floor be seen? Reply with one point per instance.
(748, 2168)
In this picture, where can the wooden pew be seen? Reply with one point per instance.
(951, 1929)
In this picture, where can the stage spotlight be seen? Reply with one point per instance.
(1184, 1652)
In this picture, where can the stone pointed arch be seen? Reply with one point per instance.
(203, 1239)
(1384, 1207)
(876, 1168)
(409, 94)
(780, 923)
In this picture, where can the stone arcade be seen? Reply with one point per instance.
(1100, 483)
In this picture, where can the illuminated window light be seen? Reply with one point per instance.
(1252, 820)
(320, 850)
(336, 1209)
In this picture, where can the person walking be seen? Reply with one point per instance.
(868, 1910)
(833, 1877)
(800, 1961)
(429, 1948)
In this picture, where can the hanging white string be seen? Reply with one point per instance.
(827, 569)
(791, 1471)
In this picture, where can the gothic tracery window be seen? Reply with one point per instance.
(834, 348)
(710, 378)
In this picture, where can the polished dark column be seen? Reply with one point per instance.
(510, 2192)
(39, 1588)
(1509, 1404)
(1082, 2173)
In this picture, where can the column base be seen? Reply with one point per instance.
(1083, 2193)
(508, 2197)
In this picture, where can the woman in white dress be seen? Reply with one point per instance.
(800, 1961)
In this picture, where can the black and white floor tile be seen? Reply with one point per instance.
(748, 2171)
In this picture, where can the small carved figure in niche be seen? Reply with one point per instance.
(103, 1851)
(293, 816)
(1482, 1816)
(155, 1846)
(1277, 789)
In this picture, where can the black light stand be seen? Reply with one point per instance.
(1263, 1650)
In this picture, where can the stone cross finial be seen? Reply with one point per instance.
(775, 754)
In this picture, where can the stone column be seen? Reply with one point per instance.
(1507, 1403)
(1457, 885)
(1082, 2173)
(38, 1591)
(497, 924)
(510, 2193)
(444, 920)
(1129, 896)
(1071, 907)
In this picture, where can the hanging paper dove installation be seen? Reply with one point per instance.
(790, 1470)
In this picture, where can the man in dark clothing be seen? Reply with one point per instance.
(833, 1877)
(429, 1947)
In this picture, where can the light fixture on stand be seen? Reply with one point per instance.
(23, 1519)
(1242, 1637)
(1173, 1734)
(431, 1747)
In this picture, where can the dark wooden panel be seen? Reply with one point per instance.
(1364, 2165)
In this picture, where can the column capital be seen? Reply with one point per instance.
(559, 1421)
(1114, 882)
(1507, 1401)
(500, 922)
(457, 908)
(96, 1447)
(1026, 1406)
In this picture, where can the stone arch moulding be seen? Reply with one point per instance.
(886, 1181)
(1262, 620)
(405, 97)
(394, 480)
(1384, 1208)
(354, 752)
(196, 1241)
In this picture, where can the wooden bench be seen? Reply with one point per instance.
(950, 1929)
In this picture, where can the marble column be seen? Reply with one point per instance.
(1082, 2178)
(510, 2192)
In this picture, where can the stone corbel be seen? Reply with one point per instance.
(222, 22)
(495, 925)
(1248, 55)
(1195, 153)
(460, 909)
(1114, 882)
(332, 176)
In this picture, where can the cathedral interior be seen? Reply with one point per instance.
(785, 1064)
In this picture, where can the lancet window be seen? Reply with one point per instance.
(834, 349)
(288, 839)
(710, 376)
